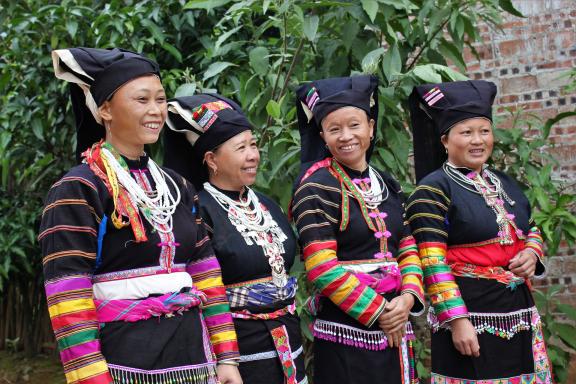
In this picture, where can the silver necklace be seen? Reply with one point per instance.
(377, 192)
(493, 193)
(256, 225)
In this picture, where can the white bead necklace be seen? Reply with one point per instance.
(256, 226)
(157, 206)
(378, 191)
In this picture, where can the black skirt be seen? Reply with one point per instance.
(259, 362)
(160, 350)
(500, 358)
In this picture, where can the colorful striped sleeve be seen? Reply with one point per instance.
(68, 239)
(207, 277)
(427, 210)
(411, 270)
(535, 243)
(315, 208)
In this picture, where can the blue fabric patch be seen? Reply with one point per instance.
(101, 233)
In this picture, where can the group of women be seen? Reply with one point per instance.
(180, 273)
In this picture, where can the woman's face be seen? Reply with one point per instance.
(234, 163)
(469, 143)
(135, 114)
(347, 132)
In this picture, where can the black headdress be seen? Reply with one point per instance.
(95, 74)
(199, 124)
(315, 100)
(435, 108)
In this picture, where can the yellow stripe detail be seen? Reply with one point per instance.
(318, 258)
(86, 372)
(431, 189)
(70, 307)
(344, 290)
(432, 251)
(222, 337)
(424, 214)
(208, 283)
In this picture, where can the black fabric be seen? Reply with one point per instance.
(443, 211)
(499, 358)
(254, 337)
(110, 69)
(88, 131)
(188, 161)
(468, 219)
(156, 343)
(333, 93)
(240, 262)
(150, 344)
(321, 193)
(460, 100)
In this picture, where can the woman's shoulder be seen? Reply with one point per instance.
(321, 179)
(437, 179)
(80, 176)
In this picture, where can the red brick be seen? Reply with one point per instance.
(511, 47)
(518, 84)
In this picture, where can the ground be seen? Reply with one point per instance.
(16, 368)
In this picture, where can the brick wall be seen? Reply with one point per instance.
(527, 60)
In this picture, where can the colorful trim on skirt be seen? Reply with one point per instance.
(504, 325)
(542, 373)
(355, 337)
(197, 374)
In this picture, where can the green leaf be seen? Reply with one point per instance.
(509, 7)
(173, 51)
(311, 27)
(223, 37)
(451, 52)
(273, 109)
(371, 60)
(205, 4)
(371, 8)
(259, 60)
(568, 310)
(392, 62)
(567, 334)
(72, 27)
(186, 89)
(550, 122)
(217, 67)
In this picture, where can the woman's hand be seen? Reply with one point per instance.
(523, 264)
(464, 337)
(228, 374)
(393, 320)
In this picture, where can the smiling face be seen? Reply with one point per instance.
(347, 132)
(135, 115)
(469, 143)
(234, 163)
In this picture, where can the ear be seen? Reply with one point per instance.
(104, 111)
(371, 123)
(210, 160)
(322, 134)
(444, 140)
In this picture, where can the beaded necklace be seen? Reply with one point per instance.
(256, 225)
(489, 186)
(371, 214)
(130, 199)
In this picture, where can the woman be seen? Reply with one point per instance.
(358, 250)
(477, 243)
(134, 290)
(251, 236)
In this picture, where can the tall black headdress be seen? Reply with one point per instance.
(435, 108)
(199, 124)
(315, 100)
(95, 74)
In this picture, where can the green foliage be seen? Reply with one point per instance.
(256, 52)
(558, 325)
(528, 161)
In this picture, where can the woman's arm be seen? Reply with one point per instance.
(68, 237)
(315, 211)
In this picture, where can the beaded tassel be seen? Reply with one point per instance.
(200, 375)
